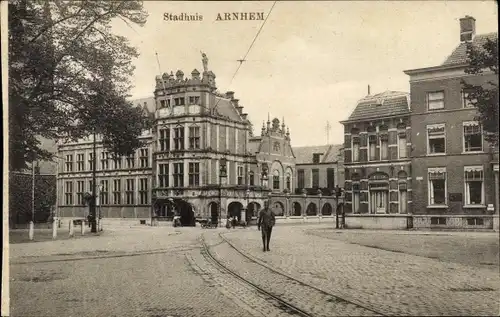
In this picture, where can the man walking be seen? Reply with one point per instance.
(267, 219)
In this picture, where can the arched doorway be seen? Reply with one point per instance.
(326, 210)
(213, 208)
(311, 210)
(164, 209)
(185, 211)
(234, 210)
(297, 209)
(252, 211)
(278, 208)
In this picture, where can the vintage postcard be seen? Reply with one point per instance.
(250, 158)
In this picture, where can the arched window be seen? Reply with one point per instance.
(288, 182)
(276, 179)
(251, 179)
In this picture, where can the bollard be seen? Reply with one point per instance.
(83, 227)
(71, 229)
(54, 229)
(31, 230)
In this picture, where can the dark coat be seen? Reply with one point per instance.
(267, 218)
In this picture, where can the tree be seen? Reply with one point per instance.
(482, 60)
(69, 76)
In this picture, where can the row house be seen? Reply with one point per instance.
(377, 165)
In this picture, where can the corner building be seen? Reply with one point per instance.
(201, 160)
(455, 170)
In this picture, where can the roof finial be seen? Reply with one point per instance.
(368, 90)
(268, 118)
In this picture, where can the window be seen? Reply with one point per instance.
(69, 163)
(194, 100)
(402, 149)
(438, 221)
(436, 138)
(80, 162)
(91, 161)
(117, 160)
(130, 191)
(240, 175)
(384, 146)
(252, 179)
(164, 140)
(104, 161)
(179, 101)
(104, 195)
(355, 201)
(80, 188)
(466, 103)
(144, 157)
(475, 221)
(300, 178)
(437, 186)
(288, 182)
(68, 193)
(315, 178)
(179, 138)
(163, 175)
(316, 158)
(194, 137)
(143, 191)
(372, 147)
(355, 149)
(474, 185)
(117, 191)
(194, 174)
(330, 178)
(131, 161)
(473, 138)
(162, 103)
(276, 180)
(435, 100)
(178, 174)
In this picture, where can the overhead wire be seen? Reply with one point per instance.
(249, 49)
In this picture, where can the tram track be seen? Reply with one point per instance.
(336, 298)
(279, 302)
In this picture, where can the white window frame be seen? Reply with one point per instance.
(467, 202)
(435, 126)
(468, 124)
(353, 159)
(405, 146)
(369, 149)
(465, 102)
(430, 186)
(428, 99)
(386, 148)
(239, 179)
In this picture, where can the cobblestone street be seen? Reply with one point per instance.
(163, 272)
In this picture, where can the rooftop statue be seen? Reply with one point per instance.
(205, 61)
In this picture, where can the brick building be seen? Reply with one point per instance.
(377, 144)
(454, 178)
(200, 154)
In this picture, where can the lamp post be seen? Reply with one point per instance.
(247, 196)
(222, 174)
(319, 209)
(264, 179)
(287, 197)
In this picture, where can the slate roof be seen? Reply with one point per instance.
(459, 55)
(225, 107)
(388, 103)
(304, 154)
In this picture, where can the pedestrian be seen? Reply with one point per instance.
(266, 222)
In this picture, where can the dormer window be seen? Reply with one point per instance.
(194, 100)
(317, 158)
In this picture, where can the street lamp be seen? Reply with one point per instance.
(247, 195)
(222, 174)
(320, 195)
(263, 179)
(287, 196)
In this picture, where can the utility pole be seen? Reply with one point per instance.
(328, 128)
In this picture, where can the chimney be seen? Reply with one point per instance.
(180, 75)
(467, 29)
(230, 95)
(236, 102)
(368, 90)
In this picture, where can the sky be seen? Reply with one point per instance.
(312, 60)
